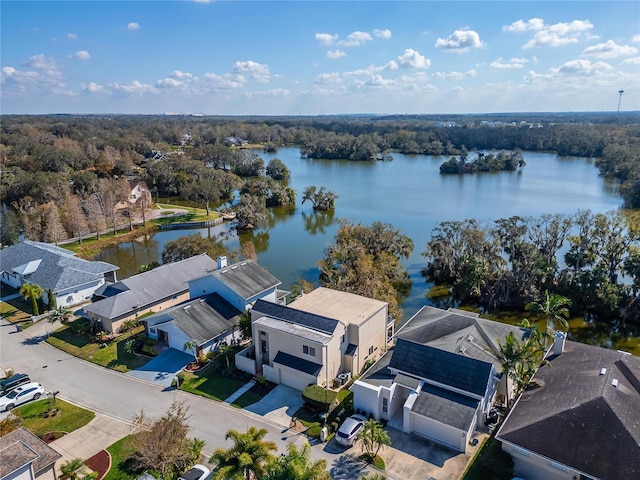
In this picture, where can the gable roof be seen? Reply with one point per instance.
(203, 319)
(446, 368)
(246, 278)
(144, 289)
(577, 417)
(52, 267)
(446, 406)
(20, 447)
(297, 363)
(459, 331)
(292, 315)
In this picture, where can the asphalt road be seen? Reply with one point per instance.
(123, 397)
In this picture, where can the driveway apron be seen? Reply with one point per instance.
(163, 368)
(279, 405)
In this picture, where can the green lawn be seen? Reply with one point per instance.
(490, 463)
(16, 310)
(70, 418)
(112, 356)
(120, 452)
(253, 395)
(193, 215)
(211, 383)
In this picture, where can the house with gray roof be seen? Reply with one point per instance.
(23, 456)
(322, 338)
(71, 279)
(580, 417)
(152, 291)
(441, 377)
(209, 321)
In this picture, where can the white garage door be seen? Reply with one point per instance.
(293, 378)
(444, 434)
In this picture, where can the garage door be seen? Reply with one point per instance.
(444, 434)
(293, 378)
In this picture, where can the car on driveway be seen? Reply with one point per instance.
(8, 384)
(22, 394)
(197, 472)
(349, 430)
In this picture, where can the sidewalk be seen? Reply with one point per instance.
(95, 436)
(238, 393)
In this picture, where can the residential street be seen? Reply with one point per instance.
(123, 396)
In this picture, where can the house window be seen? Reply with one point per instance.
(521, 451)
(342, 340)
(385, 405)
(389, 333)
(371, 350)
(558, 466)
(307, 350)
(263, 344)
(152, 330)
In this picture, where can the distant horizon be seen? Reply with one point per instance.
(319, 58)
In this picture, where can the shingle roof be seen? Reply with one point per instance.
(577, 417)
(52, 267)
(457, 371)
(203, 319)
(144, 289)
(288, 314)
(18, 448)
(298, 363)
(246, 278)
(446, 406)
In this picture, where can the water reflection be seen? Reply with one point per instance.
(317, 222)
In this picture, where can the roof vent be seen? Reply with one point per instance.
(470, 338)
(603, 371)
(463, 349)
(614, 382)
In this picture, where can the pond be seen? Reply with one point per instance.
(407, 192)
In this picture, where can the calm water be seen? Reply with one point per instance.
(408, 193)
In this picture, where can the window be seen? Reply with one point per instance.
(263, 344)
(521, 451)
(342, 339)
(558, 466)
(371, 350)
(152, 330)
(389, 333)
(385, 404)
(307, 350)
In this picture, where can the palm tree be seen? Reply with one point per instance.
(519, 361)
(555, 309)
(246, 459)
(373, 437)
(192, 346)
(62, 315)
(226, 351)
(296, 465)
(34, 292)
(71, 468)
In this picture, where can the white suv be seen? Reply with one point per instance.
(22, 394)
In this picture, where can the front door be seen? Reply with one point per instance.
(163, 337)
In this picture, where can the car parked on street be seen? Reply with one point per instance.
(9, 383)
(197, 472)
(22, 394)
(349, 430)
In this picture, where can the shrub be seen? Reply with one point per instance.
(149, 350)
(128, 325)
(319, 397)
(150, 342)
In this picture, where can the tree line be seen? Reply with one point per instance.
(591, 259)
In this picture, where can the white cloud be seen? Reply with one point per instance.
(169, 83)
(92, 87)
(355, 39)
(41, 75)
(82, 55)
(412, 58)
(379, 81)
(254, 70)
(384, 34)
(509, 64)
(336, 54)
(636, 38)
(327, 38)
(226, 81)
(551, 35)
(583, 68)
(449, 76)
(327, 78)
(631, 61)
(275, 92)
(133, 26)
(72, 36)
(180, 74)
(132, 88)
(470, 73)
(609, 50)
(460, 41)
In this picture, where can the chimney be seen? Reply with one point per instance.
(222, 262)
(558, 343)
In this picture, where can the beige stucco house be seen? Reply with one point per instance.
(322, 337)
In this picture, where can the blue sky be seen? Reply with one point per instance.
(309, 58)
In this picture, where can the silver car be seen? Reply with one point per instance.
(22, 394)
(349, 430)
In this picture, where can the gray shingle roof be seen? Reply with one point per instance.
(446, 406)
(13, 453)
(145, 289)
(55, 268)
(577, 417)
(288, 314)
(246, 278)
(298, 363)
(439, 366)
(203, 319)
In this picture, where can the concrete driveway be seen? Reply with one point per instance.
(279, 405)
(163, 368)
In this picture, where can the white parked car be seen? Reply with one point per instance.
(349, 430)
(197, 472)
(23, 394)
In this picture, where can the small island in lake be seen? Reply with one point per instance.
(491, 162)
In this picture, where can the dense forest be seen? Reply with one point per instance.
(62, 174)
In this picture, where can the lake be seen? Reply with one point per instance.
(409, 193)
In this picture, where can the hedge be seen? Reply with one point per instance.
(319, 397)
